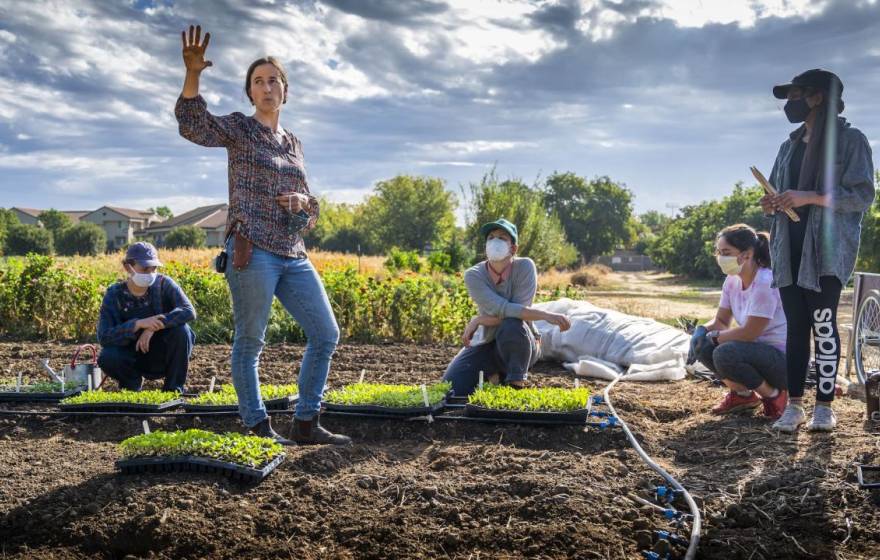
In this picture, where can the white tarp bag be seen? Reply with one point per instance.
(601, 342)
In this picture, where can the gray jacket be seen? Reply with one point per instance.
(832, 239)
(502, 300)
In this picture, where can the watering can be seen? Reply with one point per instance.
(79, 374)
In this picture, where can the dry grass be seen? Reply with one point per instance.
(323, 260)
(588, 276)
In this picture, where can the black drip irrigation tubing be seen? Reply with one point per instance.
(442, 418)
(695, 511)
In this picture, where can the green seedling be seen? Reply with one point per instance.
(8, 386)
(530, 399)
(251, 451)
(393, 396)
(127, 397)
(225, 395)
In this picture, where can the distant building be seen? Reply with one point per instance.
(627, 261)
(120, 224)
(30, 216)
(212, 219)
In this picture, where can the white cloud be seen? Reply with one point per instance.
(474, 146)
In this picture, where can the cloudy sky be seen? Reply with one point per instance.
(671, 97)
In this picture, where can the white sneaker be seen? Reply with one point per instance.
(791, 419)
(823, 419)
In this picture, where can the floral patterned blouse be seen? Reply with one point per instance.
(260, 168)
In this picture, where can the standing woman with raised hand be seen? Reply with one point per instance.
(269, 207)
(825, 173)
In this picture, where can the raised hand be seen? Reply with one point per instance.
(194, 49)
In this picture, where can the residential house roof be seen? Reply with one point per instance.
(208, 217)
(74, 215)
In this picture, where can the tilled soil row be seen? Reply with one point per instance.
(409, 489)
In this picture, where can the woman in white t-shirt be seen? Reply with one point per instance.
(748, 358)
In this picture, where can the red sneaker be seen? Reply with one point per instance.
(774, 407)
(733, 403)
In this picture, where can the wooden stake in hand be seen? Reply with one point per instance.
(769, 189)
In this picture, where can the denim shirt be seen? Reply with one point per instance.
(832, 239)
(121, 310)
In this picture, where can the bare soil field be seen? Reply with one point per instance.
(410, 489)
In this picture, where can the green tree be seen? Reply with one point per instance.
(23, 239)
(162, 211)
(655, 221)
(339, 228)
(408, 212)
(541, 236)
(687, 244)
(185, 237)
(869, 251)
(55, 221)
(596, 215)
(84, 238)
(7, 220)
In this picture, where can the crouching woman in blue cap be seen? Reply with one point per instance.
(143, 327)
(500, 340)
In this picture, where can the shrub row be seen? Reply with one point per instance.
(45, 299)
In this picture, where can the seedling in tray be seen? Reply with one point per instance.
(122, 400)
(387, 399)
(550, 404)
(274, 397)
(21, 389)
(242, 457)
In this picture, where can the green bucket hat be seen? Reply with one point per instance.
(500, 224)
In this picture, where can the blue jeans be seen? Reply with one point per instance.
(168, 359)
(296, 284)
(510, 354)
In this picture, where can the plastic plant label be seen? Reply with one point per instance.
(146, 427)
(427, 402)
(89, 380)
(480, 384)
(577, 383)
(211, 386)
(363, 374)
(18, 383)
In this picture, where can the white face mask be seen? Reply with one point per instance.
(729, 264)
(143, 279)
(497, 249)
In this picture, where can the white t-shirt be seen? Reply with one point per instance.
(759, 300)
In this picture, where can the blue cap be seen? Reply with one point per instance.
(143, 253)
(501, 224)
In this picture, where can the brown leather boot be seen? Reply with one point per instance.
(310, 432)
(264, 429)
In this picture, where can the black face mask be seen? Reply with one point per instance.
(797, 110)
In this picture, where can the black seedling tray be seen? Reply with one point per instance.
(574, 417)
(390, 410)
(121, 407)
(23, 396)
(190, 463)
(456, 400)
(282, 403)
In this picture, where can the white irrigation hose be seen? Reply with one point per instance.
(695, 511)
